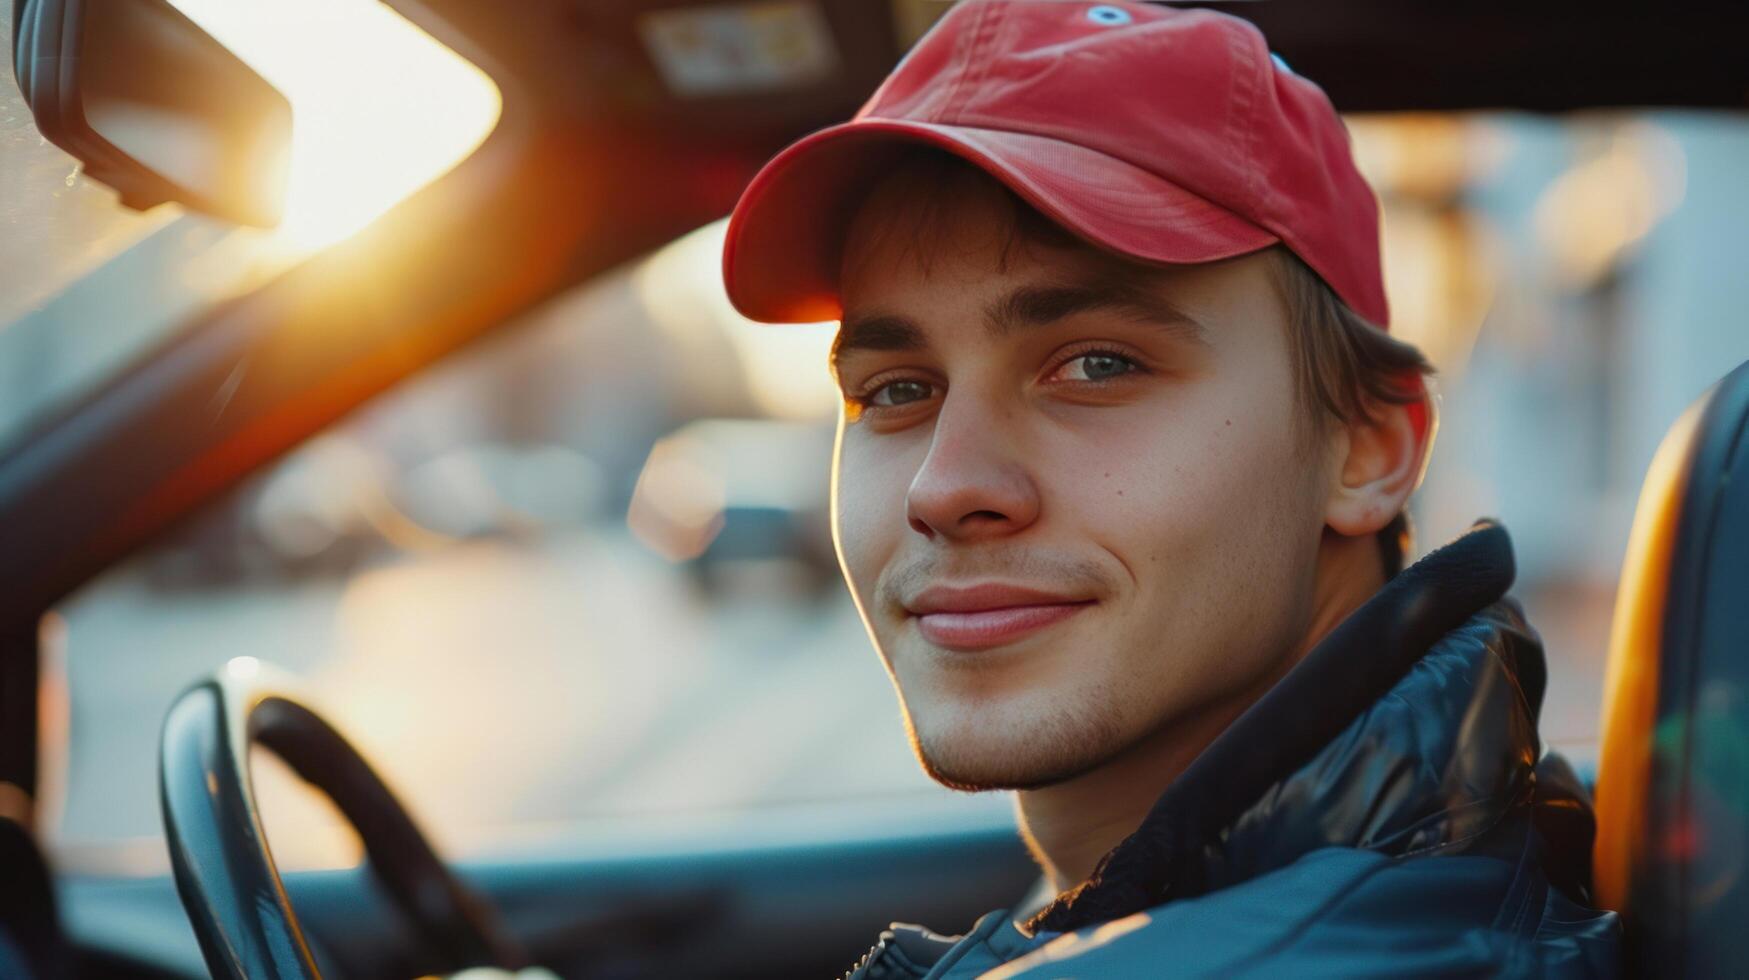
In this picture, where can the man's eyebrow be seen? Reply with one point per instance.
(1037, 306)
(877, 332)
(1026, 306)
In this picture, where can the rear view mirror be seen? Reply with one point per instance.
(154, 106)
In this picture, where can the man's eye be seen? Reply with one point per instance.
(1095, 366)
(898, 393)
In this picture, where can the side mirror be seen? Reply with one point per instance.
(154, 107)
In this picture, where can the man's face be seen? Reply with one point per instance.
(1073, 508)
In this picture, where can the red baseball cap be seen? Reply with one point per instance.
(1164, 135)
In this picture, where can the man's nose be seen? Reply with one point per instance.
(973, 484)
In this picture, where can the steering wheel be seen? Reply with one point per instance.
(224, 868)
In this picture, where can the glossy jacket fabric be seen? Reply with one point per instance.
(1420, 833)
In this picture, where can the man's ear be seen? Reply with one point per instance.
(1381, 463)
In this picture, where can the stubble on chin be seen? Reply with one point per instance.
(1009, 748)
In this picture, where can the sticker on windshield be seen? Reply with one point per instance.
(742, 48)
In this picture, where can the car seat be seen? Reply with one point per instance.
(1673, 777)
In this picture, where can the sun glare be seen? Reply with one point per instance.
(379, 107)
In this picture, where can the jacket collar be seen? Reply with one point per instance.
(1410, 727)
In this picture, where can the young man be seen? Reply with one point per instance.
(1118, 492)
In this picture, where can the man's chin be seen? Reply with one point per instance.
(1052, 753)
(980, 779)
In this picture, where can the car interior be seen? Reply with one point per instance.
(618, 135)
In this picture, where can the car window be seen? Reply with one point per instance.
(582, 572)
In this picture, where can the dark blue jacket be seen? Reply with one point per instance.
(1385, 810)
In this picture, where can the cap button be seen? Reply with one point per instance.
(1106, 15)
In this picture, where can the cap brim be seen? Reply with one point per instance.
(784, 241)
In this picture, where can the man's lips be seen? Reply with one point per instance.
(984, 616)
